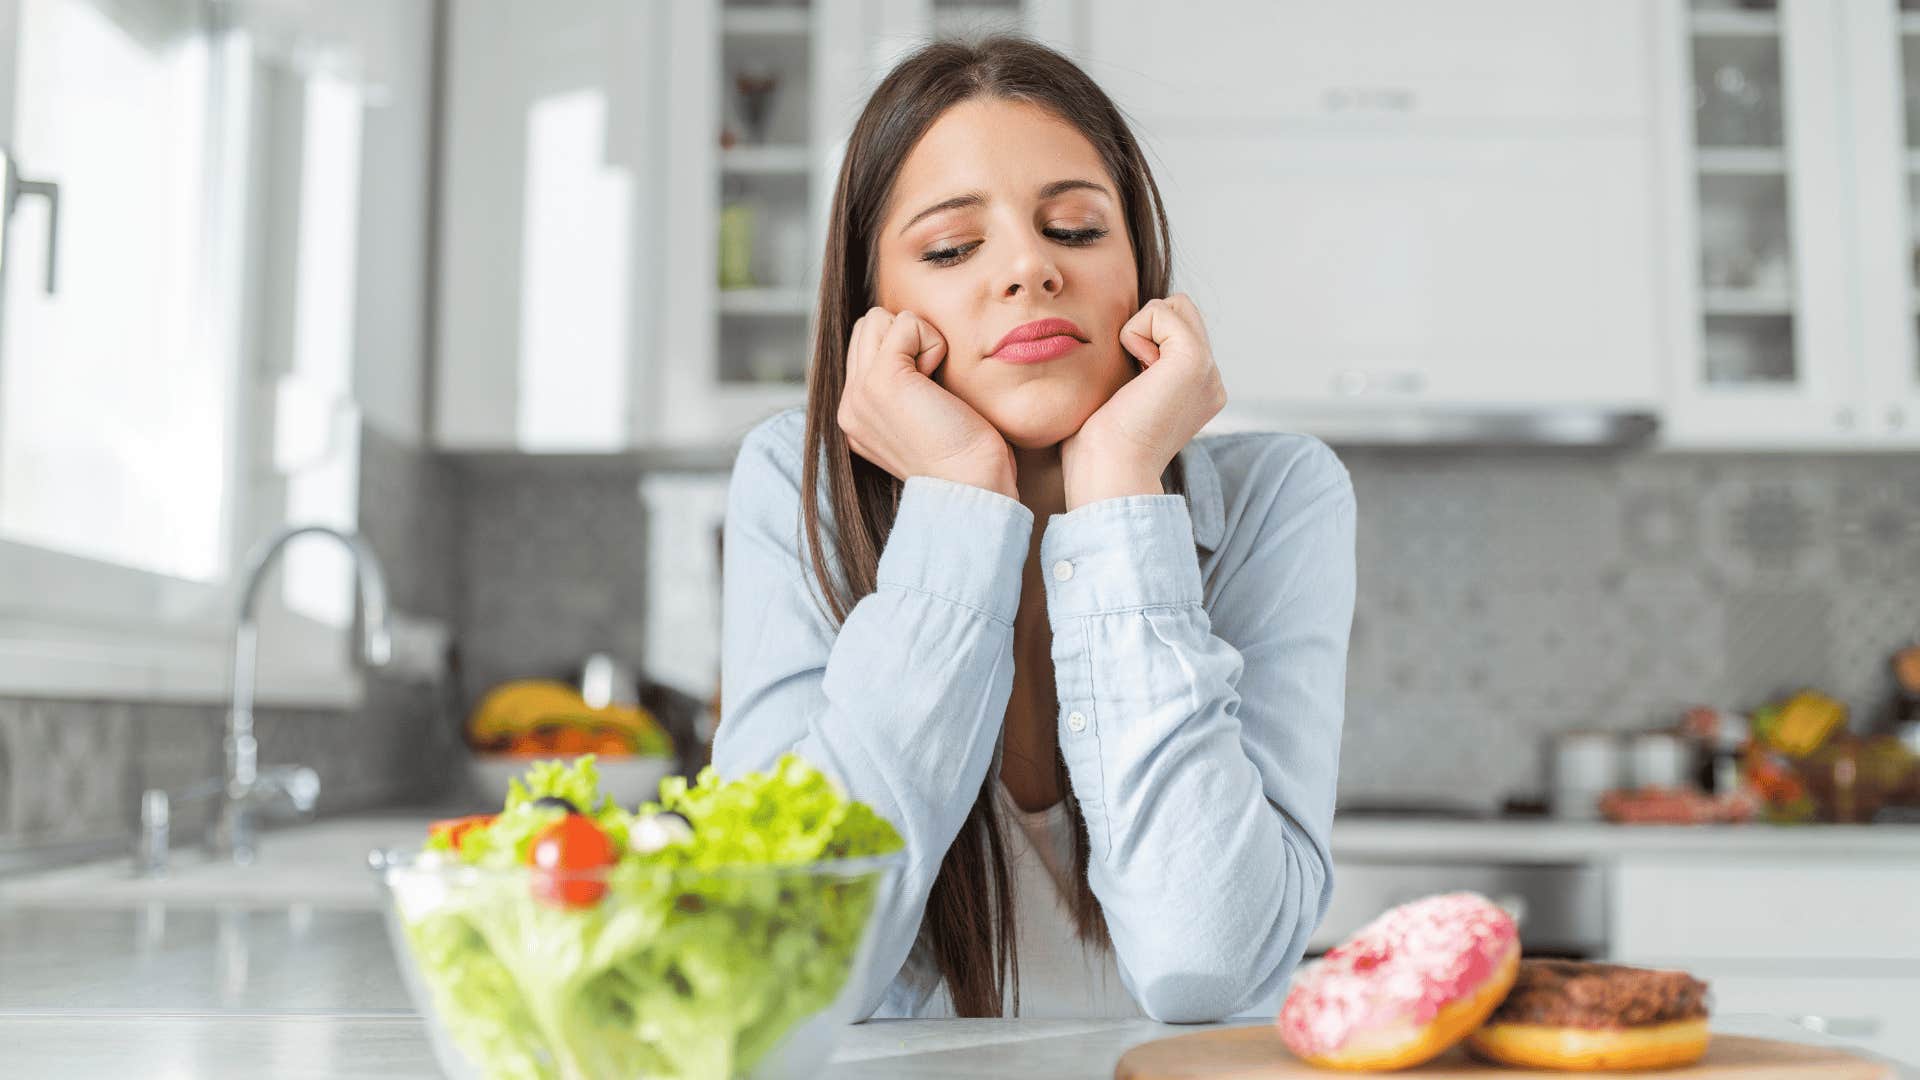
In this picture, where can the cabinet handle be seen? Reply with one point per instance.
(1354, 381)
(1843, 417)
(1895, 417)
(12, 186)
(1367, 99)
(1842, 1027)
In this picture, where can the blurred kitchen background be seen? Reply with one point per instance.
(1610, 306)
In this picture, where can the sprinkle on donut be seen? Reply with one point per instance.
(1397, 974)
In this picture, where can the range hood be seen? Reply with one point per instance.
(1430, 424)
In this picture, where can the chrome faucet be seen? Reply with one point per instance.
(246, 786)
(297, 785)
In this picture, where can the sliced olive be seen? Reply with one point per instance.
(655, 831)
(557, 803)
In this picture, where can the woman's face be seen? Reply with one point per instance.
(1016, 245)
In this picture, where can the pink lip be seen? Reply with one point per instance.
(1032, 352)
(1042, 339)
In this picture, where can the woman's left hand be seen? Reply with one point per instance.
(1128, 442)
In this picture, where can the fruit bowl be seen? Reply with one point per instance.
(634, 970)
(628, 780)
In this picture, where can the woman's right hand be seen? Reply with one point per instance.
(897, 417)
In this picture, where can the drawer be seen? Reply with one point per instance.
(1559, 908)
(1871, 1012)
(1797, 909)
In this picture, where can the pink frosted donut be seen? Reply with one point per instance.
(1410, 984)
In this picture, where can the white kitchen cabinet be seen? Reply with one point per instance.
(1874, 1012)
(1393, 203)
(1424, 269)
(581, 304)
(550, 249)
(1830, 943)
(1788, 177)
(1239, 68)
(1379, 204)
(732, 356)
(1767, 909)
(1882, 40)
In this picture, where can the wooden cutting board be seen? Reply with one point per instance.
(1256, 1053)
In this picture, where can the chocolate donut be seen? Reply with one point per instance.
(1582, 1015)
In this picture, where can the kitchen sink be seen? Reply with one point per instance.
(322, 864)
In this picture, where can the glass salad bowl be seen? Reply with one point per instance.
(724, 932)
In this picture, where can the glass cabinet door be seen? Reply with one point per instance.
(1746, 237)
(766, 257)
(1746, 241)
(1771, 361)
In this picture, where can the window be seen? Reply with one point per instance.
(186, 386)
(115, 402)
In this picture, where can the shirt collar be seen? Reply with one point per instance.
(1204, 502)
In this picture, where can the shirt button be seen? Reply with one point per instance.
(1062, 570)
(1076, 723)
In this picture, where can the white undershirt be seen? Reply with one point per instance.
(1060, 976)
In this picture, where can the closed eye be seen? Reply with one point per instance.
(1071, 237)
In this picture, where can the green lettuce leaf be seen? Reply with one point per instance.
(694, 964)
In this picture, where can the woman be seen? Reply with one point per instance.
(982, 578)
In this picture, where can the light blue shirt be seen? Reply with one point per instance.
(1200, 657)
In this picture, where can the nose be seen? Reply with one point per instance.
(1031, 270)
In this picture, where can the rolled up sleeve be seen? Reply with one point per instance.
(1202, 741)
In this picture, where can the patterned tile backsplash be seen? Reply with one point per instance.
(1504, 596)
(1507, 596)
(551, 564)
(73, 770)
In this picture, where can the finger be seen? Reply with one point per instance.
(1143, 334)
(930, 350)
(1171, 318)
(1190, 314)
(1142, 348)
(854, 341)
(873, 326)
(901, 344)
(1181, 306)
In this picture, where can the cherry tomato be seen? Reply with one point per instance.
(563, 857)
(456, 829)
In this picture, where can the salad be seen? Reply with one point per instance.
(568, 937)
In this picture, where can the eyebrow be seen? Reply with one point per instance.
(975, 198)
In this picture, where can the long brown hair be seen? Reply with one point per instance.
(974, 958)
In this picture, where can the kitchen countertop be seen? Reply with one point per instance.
(299, 980)
(295, 992)
(396, 1047)
(1551, 840)
(324, 863)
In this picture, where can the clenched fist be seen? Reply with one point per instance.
(1127, 442)
(897, 417)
